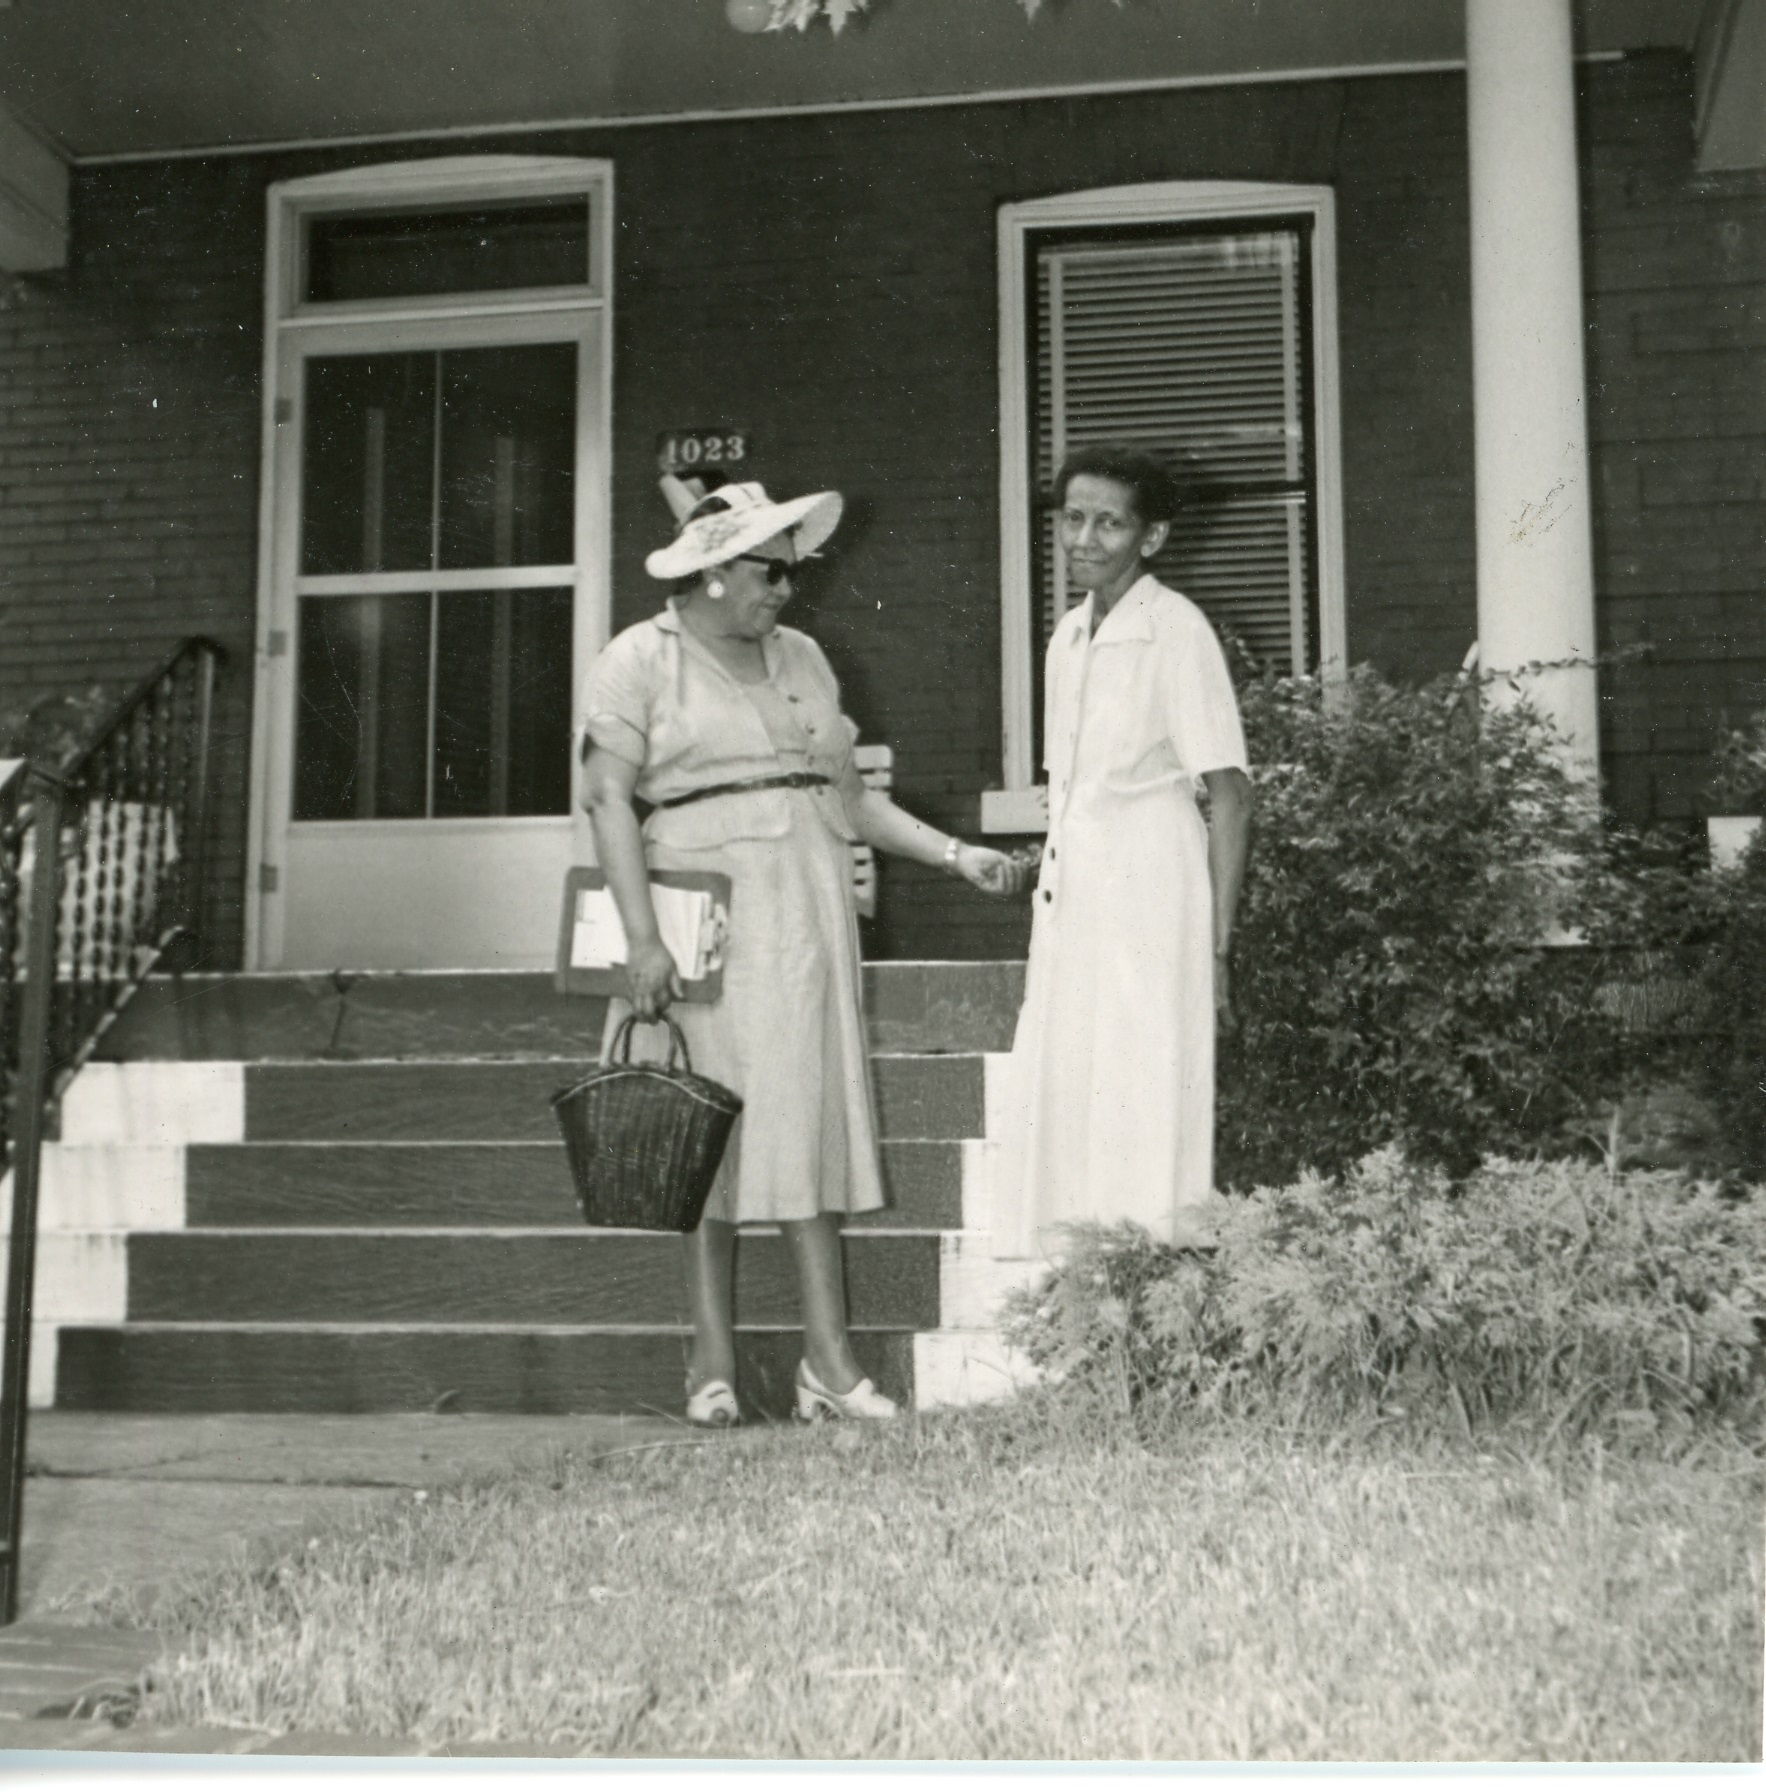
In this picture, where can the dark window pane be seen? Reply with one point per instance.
(508, 455)
(368, 472)
(502, 703)
(362, 724)
(393, 255)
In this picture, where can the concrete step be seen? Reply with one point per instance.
(524, 1368)
(911, 1006)
(535, 1278)
(918, 1097)
(515, 1183)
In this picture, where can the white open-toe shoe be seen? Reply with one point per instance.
(814, 1401)
(713, 1406)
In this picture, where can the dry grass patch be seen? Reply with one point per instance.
(1009, 1585)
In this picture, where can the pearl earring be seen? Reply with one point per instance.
(715, 588)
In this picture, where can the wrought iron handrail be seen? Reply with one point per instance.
(102, 859)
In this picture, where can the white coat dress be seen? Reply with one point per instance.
(1110, 1090)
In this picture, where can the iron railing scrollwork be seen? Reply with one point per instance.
(102, 861)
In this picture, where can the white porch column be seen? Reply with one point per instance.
(1535, 548)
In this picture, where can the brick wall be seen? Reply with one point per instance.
(1675, 267)
(830, 283)
(128, 459)
(1405, 334)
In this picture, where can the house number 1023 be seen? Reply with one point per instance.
(681, 450)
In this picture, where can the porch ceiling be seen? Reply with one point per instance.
(102, 78)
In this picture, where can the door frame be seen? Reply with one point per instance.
(294, 331)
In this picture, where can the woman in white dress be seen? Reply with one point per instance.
(1111, 1114)
(729, 725)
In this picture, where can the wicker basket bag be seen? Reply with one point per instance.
(645, 1140)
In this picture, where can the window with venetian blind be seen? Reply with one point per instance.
(1193, 345)
(1196, 320)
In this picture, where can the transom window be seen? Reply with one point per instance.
(402, 254)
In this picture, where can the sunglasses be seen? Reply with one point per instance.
(777, 571)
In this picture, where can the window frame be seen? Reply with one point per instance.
(1021, 806)
(446, 182)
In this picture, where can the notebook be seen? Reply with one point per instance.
(692, 914)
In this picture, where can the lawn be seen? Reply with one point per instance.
(1010, 1584)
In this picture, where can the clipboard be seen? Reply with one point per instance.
(578, 979)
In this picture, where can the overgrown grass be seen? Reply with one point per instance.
(1019, 1583)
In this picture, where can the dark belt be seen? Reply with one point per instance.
(783, 781)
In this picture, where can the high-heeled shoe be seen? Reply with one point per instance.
(815, 1401)
(713, 1406)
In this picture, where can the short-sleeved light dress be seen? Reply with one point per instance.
(1110, 1084)
(787, 1033)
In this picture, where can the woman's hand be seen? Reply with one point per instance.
(995, 873)
(651, 977)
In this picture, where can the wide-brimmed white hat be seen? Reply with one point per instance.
(734, 518)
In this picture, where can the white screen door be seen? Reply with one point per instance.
(434, 594)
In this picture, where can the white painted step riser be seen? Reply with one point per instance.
(96, 1188)
(149, 1103)
(82, 1278)
(45, 1342)
(973, 1283)
(966, 1368)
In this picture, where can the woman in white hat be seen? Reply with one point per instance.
(730, 726)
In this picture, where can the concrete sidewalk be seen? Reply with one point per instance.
(119, 1509)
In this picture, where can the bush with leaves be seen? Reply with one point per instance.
(1413, 849)
(49, 730)
(1734, 979)
(1681, 951)
(1562, 1298)
(1738, 781)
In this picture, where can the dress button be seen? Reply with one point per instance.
(1048, 895)
(1051, 855)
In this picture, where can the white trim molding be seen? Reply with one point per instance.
(1021, 807)
(33, 201)
(909, 102)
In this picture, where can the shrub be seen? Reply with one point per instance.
(1683, 946)
(50, 730)
(1738, 783)
(1413, 851)
(1734, 979)
(1557, 1296)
